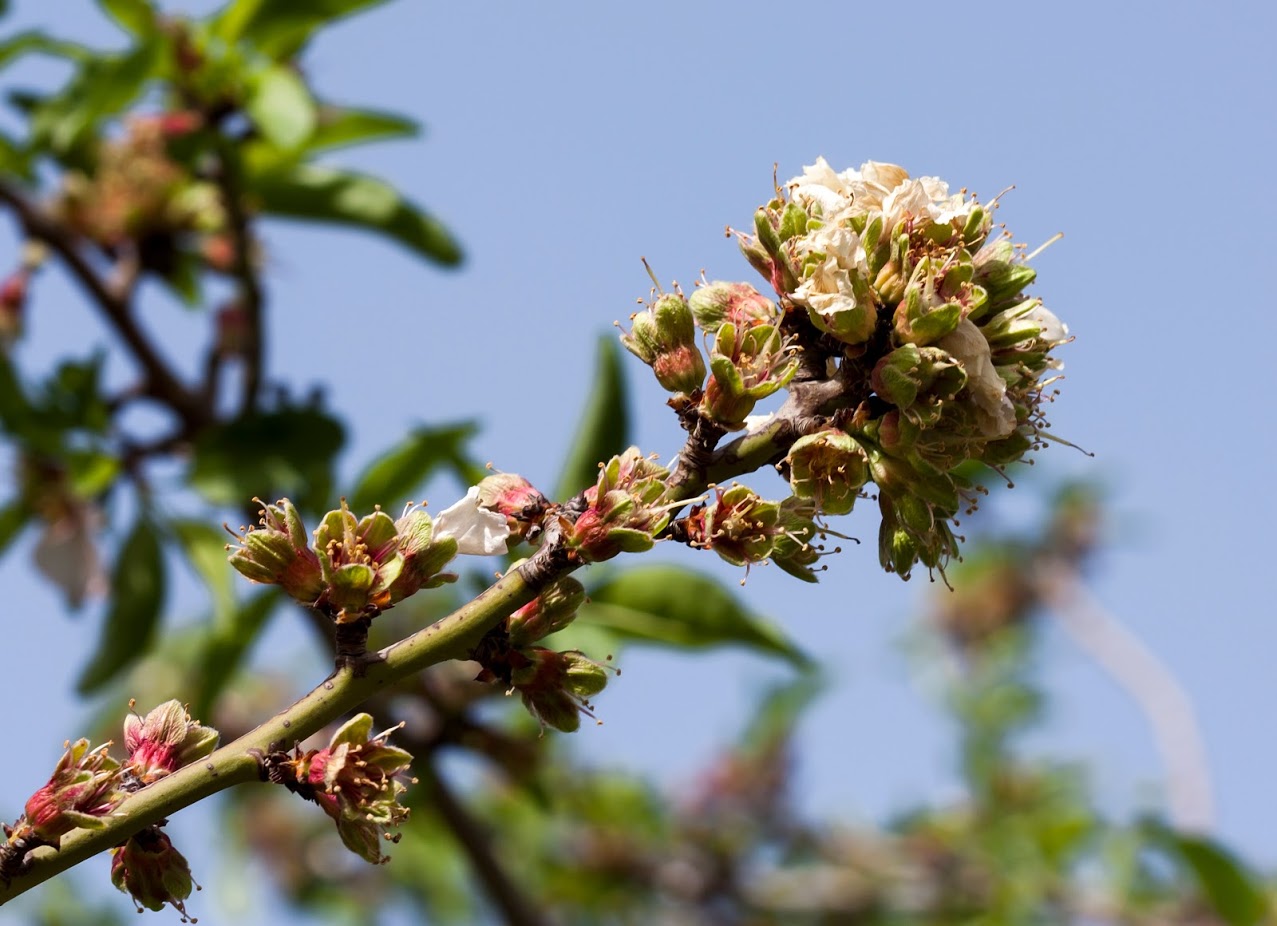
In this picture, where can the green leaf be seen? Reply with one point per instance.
(205, 549)
(1235, 893)
(778, 713)
(672, 606)
(605, 423)
(280, 28)
(13, 518)
(229, 644)
(340, 127)
(137, 595)
(14, 160)
(391, 479)
(324, 194)
(136, 17)
(281, 107)
(35, 42)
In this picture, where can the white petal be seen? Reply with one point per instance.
(478, 532)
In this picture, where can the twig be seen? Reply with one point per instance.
(113, 300)
(470, 835)
(251, 299)
(1150, 683)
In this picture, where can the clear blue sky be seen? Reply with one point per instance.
(566, 140)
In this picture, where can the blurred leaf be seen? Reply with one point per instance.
(14, 161)
(91, 472)
(281, 107)
(137, 594)
(229, 643)
(25, 43)
(605, 423)
(183, 278)
(134, 16)
(1234, 892)
(15, 410)
(103, 87)
(13, 518)
(778, 712)
(323, 194)
(673, 606)
(393, 477)
(340, 127)
(205, 549)
(288, 452)
(280, 28)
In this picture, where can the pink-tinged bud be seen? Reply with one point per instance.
(738, 303)
(150, 870)
(830, 468)
(664, 337)
(748, 365)
(83, 789)
(517, 500)
(164, 741)
(423, 554)
(556, 687)
(548, 613)
(13, 299)
(233, 330)
(276, 552)
(357, 781)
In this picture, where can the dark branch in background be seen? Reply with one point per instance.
(250, 300)
(113, 300)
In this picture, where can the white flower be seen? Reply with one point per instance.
(821, 185)
(477, 531)
(967, 345)
(1052, 330)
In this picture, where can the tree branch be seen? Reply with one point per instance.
(113, 300)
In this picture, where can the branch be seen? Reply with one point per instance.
(470, 835)
(1150, 683)
(251, 299)
(112, 300)
(450, 638)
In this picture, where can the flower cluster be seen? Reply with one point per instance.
(901, 326)
(624, 511)
(357, 780)
(358, 567)
(744, 529)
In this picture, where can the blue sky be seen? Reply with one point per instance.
(566, 140)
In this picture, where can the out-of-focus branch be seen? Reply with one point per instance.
(1152, 685)
(514, 905)
(113, 300)
(251, 298)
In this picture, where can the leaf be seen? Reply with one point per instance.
(605, 423)
(205, 549)
(673, 606)
(777, 714)
(13, 518)
(324, 194)
(281, 107)
(280, 28)
(340, 127)
(229, 644)
(1235, 893)
(136, 17)
(391, 479)
(35, 42)
(137, 594)
(286, 452)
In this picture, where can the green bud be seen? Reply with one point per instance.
(830, 468)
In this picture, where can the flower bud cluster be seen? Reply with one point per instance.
(664, 337)
(136, 189)
(358, 780)
(358, 567)
(164, 741)
(745, 529)
(893, 288)
(150, 870)
(623, 513)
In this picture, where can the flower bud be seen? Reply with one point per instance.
(152, 872)
(13, 299)
(748, 364)
(84, 788)
(356, 780)
(556, 687)
(830, 468)
(515, 499)
(622, 515)
(664, 337)
(738, 303)
(276, 552)
(360, 561)
(795, 549)
(164, 741)
(548, 613)
(737, 525)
